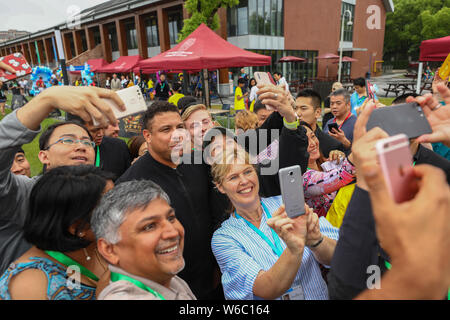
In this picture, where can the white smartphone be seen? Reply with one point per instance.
(395, 159)
(291, 184)
(264, 78)
(134, 103)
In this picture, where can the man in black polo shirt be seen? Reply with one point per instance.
(308, 109)
(190, 191)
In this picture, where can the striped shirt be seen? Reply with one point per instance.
(241, 254)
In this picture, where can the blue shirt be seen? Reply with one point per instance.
(357, 102)
(347, 127)
(241, 254)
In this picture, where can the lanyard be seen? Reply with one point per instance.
(117, 276)
(276, 246)
(97, 158)
(348, 116)
(67, 261)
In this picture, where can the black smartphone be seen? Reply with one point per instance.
(407, 118)
(333, 126)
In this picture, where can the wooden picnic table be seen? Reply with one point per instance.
(403, 86)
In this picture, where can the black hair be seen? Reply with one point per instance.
(258, 106)
(402, 99)
(155, 109)
(241, 80)
(45, 136)
(278, 73)
(207, 139)
(314, 95)
(250, 83)
(306, 124)
(62, 197)
(176, 86)
(186, 102)
(359, 82)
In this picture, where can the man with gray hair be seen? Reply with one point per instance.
(341, 125)
(139, 235)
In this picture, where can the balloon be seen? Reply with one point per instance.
(38, 72)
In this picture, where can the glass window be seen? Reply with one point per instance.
(151, 27)
(260, 17)
(273, 18)
(253, 17)
(232, 22)
(267, 17)
(131, 35)
(112, 34)
(175, 25)
(348, 30)
(280, 23)
(97, 36)
(242, 18)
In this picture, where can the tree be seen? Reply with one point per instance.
(412, 22)
(203, 11)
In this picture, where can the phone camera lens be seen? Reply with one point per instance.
(291, 173)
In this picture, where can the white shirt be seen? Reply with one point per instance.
(282, 82)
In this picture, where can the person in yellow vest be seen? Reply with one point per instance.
(239, 96)
(176, 94)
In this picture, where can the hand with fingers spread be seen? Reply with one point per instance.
(414, 234)
(438, 115)
(85, 102)
(279, 99)
(292, 231)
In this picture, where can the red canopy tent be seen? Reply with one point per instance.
(432, 50)
(203, 49)
(123, 64)
(435, 49)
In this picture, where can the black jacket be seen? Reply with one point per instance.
(190, 190)
(293, 146)
(114, 156)
(358, 246)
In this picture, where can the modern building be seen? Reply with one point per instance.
(302, 28)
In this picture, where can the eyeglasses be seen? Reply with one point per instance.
(70, 142)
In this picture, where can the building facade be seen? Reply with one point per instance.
(302, 28)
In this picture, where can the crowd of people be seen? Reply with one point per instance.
(192, 210)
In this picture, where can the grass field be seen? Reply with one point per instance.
(32, 149)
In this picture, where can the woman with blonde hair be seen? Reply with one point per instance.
(245, 120)
(261, 252)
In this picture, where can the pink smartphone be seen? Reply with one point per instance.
(396, 160)
(264, 78)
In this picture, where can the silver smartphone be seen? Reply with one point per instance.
(134, 103)
(291, 184)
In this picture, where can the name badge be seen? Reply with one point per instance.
(295, 293)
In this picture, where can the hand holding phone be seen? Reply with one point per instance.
(333, 126)
(264, 78)
(291, 184)
(396, 161)
(134, 103)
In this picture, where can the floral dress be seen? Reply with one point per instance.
(320, 187)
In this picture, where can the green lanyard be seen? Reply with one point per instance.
(67, 261)
(117, 276)
(276, 246)
(97, 158)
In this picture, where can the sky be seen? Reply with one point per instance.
(35, 15)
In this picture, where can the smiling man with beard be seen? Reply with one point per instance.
(140, 236)
(190, 190)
